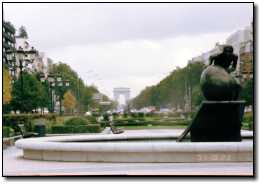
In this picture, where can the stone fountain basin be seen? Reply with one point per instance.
(134, 148)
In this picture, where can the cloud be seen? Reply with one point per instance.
(130, 45)
(133, 63)
(59, 25)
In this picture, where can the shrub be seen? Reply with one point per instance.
(144, 122)
(8, 132)
(12, 120)
(248, 121)
(125, 115)
(48, 124)
(104, 124)
(95, 114)
(94, 128)
(78, 129)
(115, 115)
(57, 129)
(76, 121)
(248, 117)
(91, 119)
(133, 115)
(150, 114)
(130, 122)
(62, 129)
(141, 114)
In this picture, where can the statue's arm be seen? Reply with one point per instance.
(211, 59)
(234, 65)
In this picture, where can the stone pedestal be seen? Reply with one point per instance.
(218, 121)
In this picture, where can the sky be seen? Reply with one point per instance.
(127, 45)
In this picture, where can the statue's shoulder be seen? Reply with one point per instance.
(214, 57)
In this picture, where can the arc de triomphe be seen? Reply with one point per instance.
(121, 91)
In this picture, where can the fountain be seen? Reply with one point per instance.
(134, 148)
(220, 90)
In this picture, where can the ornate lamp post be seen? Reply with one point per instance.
(11, 64)
(49, 79)
(61, 83)
(55, 81)
(24, 57)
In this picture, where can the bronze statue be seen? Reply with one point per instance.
(225, 59)
(219, 117)
(217, 82)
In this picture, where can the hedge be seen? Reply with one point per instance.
(137, 122)
(248, 117)
(137, 114)
(247, 122)
(7, 117)
(12, 120)
(131, 123)
(104, 124)
(76, 121)
(91, 119)
(61, 129)
(8, 132)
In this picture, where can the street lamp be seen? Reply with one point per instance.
(55, 81)
(11, 63)
(24, 57)
(49, 79)
(61, 83)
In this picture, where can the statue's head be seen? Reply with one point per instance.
(228, 48)
(228, 52)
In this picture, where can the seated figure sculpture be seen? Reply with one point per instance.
(225, 59)
(216, 82)
(219, 117)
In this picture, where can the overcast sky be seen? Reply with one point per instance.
(127, 45)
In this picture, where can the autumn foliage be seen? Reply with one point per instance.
(6, 86)
(69, 101)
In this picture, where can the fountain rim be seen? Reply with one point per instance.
(100, 143)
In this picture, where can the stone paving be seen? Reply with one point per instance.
(14, 164)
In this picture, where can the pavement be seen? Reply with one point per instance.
(15, 165)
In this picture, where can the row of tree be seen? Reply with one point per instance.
(180, 88)
(174, 90)
(31, 94)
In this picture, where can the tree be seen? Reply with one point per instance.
(247, 92)
(44, 96)
(22, 32)
(172, 90)
(29, 96)
(69, 101)
(79, 90)
(7, 87)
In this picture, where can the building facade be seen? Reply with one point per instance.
(246, 60)
(242, 42)
(8, 45)
(239, 40)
